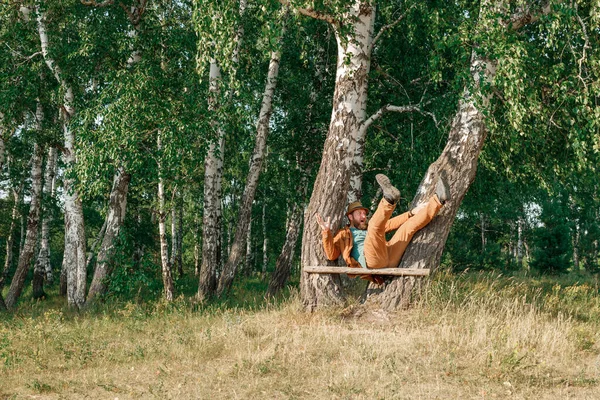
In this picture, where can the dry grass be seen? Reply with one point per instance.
(476, 338)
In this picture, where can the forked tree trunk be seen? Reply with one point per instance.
(42, 265)
(167, 274)
(28, 251)
(283, 265)
(114, 221)
(332, 184)
(459, 161)
(238, 247)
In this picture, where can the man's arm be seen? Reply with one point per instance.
(332, 251)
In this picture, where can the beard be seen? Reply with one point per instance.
(361, 225)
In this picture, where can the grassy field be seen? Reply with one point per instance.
(472, 336)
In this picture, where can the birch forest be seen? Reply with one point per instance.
(163, 150)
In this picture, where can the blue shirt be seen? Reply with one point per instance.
(358, 246)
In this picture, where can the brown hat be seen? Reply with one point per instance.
(355, 205)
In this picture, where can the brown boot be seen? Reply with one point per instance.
(390, 193)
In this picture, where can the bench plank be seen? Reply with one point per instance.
(321, 269)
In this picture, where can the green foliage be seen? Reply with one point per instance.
(553, 237)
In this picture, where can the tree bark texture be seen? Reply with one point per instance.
(75, 243)
(283, 265)
(42, 265)
(330, 191)
(167, 273)
(39, 271)
(28, 251)
(114, 221)
(238, 248)
(265, 242)
(213, 173)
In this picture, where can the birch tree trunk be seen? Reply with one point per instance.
(117, 206)
(248, 261)
(167, 274)
(332, 184)
(28, 251)
(39, 271)
(458, 161)
(114, 221)
(283, 265)
(213, 172)
(520, 242)
(238, 246)
(265, 242)
(177, 233)
(42, 265)
(196, 246)
(75, 243)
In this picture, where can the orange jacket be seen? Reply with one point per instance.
(341, 243)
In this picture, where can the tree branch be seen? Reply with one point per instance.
(390, 26)
(399, 109)
(525, 16)
(93, 3)
(309, 12)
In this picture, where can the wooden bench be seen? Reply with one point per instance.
(321, 269)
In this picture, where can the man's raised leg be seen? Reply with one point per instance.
(375, 249)
(398, 243)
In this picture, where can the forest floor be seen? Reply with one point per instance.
(471, 336)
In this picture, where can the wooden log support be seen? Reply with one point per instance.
(320, 269)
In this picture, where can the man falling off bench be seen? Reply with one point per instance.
(362, 242)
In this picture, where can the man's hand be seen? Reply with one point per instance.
(418, 208)
(325, 225)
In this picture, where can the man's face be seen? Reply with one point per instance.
(358, 219)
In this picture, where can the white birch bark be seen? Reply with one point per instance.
(248, 261)
(196, 245)
(75, 243)
(256, 162)
(265, 242)
(28, 250)
(167, 274)
(43, 259)
(213, 172)
(332, 185)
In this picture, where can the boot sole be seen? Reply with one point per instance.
(389, 190)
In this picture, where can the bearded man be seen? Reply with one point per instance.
(362, 243)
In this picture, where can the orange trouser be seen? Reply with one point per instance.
(379, 253)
